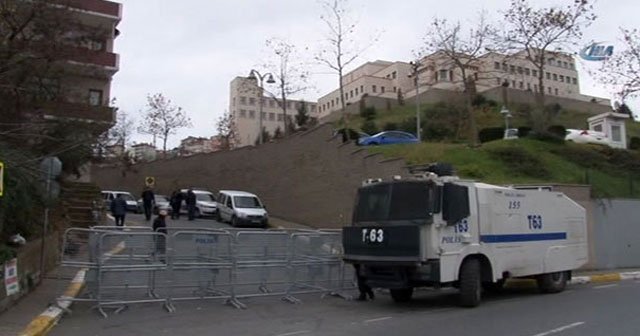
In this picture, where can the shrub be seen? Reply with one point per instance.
(634, 143)
(557, 130)
(368, 113)
(519, 162)
(491, 134)
(390, 126)
(546, 137)
(369, 127)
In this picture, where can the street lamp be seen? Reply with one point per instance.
(414, 74)
(253, 75)
(507, 114)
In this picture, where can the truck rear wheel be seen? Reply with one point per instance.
(470, 283)
(401, 294)
(552, 282)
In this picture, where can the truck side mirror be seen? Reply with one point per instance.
(455, 203)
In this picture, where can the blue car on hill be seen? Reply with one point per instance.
(388, 138)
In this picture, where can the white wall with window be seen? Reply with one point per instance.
(613, 125)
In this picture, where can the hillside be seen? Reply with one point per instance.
(612, 173)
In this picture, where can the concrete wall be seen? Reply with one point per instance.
(310, 178)
(617, 233)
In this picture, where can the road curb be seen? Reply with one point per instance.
(43, 323)
(579, 280)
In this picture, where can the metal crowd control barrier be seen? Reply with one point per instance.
(134, 265)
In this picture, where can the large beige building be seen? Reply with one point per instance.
(380, 78)
(244, 96)
(437, 71)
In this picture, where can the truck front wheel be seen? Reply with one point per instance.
(470, 283)
(401, 294)
(552, 282)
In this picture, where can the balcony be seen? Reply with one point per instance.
(100, 114)
(92, 57)
(103, 7)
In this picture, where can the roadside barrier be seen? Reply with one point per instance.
(135, 265)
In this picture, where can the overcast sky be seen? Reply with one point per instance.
(190, 50)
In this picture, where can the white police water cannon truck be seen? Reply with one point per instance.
(435, 230)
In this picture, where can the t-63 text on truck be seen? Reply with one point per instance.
(432, 230)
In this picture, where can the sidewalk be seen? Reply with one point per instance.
(14, 320)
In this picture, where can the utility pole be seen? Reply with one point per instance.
(414, 73)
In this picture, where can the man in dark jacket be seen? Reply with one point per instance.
(191, 204)
(160, 226)
(176, 203)
(119, 209)
(147, 202)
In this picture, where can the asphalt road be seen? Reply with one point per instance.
(183, 222)
(586, 310)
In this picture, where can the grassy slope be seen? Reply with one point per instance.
(483, 164)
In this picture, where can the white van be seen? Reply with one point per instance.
(241, 208)
(205, 202)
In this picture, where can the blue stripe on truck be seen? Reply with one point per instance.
(522, 237)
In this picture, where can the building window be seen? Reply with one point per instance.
(616, 133)
(332, 101)
(442, 75)
(496, 65)
(394, 75)
(497, 81)
(534, 73)
(95, 97)
(526, 71)
(566, 65)
(556, 91)
(529, 86)
(272, 116)
(243, 113)
(382, 89)
(575, 81)
(555, 77)
(374, 89)
(351, 93)
(243, 100)
(571, 66)
(356, 91)
(548, 76)
(535, 87)
(520, 70)
(561, 78)
(513, 84)
(362, 88)
(512, 69)
(549, 89)
(252, 101)
(272, 103)
(521, 86)
(280, 117)
(597, 128)
(233, 101)
(252, 114)
(504, 66)
(395, 89)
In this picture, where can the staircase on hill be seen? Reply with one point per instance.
(83, 204)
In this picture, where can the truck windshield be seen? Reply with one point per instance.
(393, 201)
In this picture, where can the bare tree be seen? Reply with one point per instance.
(123, 128)
(227, 131)
(538, 32)
(462, 52)
(289, 71)
(340, 48)
(622, 69)
(163, 118)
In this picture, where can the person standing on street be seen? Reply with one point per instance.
(176, 202)
(147, 202)
(191, 204)
(160, 226)
(363, 288)
(119, 209)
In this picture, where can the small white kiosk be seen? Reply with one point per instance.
(613, 125)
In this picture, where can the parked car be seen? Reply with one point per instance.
(388, 138)
(161, 202)
(587, 136)
(132, 205)
(205, 202)
(241, 208)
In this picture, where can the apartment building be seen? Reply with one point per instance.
(244, 100)
(89, 62)
(144, 152)
(196, 145)
(379, 78)
(437, 71)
